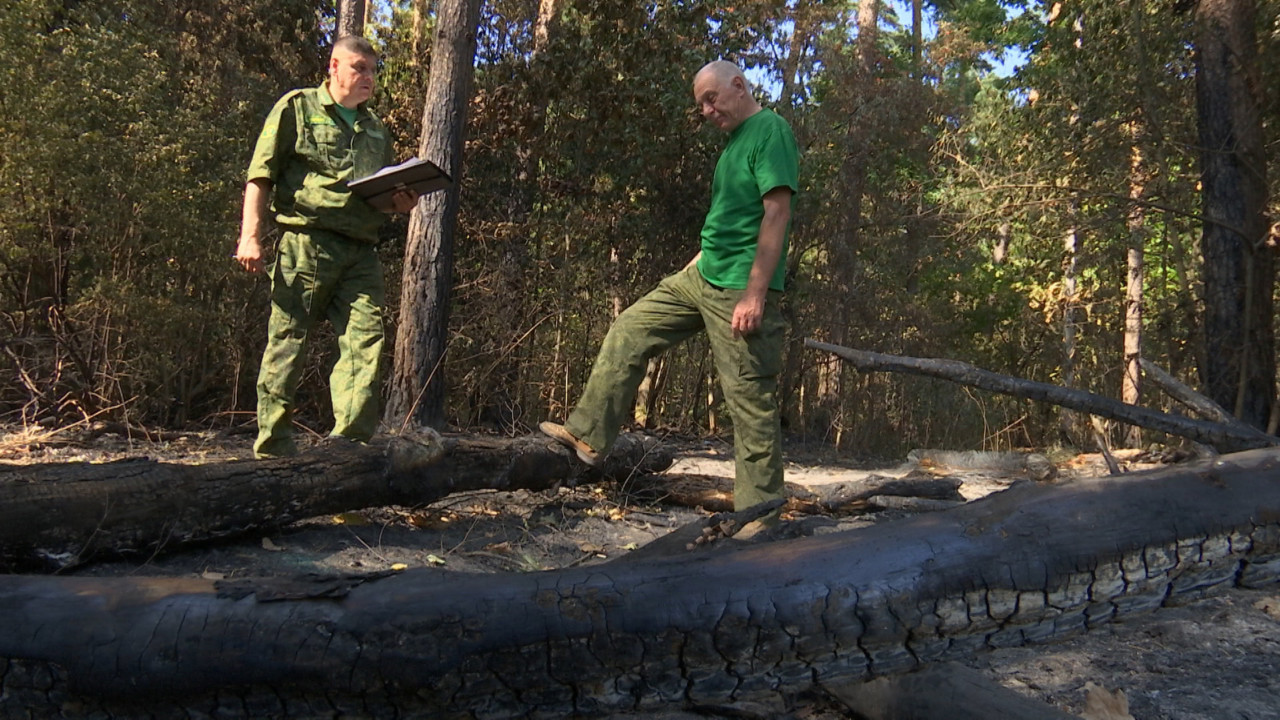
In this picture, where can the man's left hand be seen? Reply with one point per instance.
(747, 315)
(402, 201)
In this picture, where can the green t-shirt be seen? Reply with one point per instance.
(309, 153)
(761, 156)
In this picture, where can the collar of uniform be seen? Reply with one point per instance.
(327, 100)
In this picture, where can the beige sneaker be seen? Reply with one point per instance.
(566, 438)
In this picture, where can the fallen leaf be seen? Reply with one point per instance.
(268, 545)
(211, 575)
(435, 560)
(351, 518)
(399, 566)
(631, 546)
(1102, 704)
(587, 547)
(1270, 606)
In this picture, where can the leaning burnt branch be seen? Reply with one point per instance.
(1223, 436)
(1035, 563)
(60, 514)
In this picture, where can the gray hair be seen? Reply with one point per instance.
(724, 71)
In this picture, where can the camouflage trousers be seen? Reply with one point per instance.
(319, 275)
(681, 306)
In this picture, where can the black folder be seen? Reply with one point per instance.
(412, 174)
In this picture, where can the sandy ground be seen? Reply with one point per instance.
(1214, 659)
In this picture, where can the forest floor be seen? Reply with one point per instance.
(1214, 659)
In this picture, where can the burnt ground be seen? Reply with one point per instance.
(1213, 659)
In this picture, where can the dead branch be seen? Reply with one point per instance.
(1224, 437)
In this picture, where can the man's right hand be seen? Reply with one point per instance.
(249, 254)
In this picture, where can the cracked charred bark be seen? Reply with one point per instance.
(1028, 565)
(64, 513)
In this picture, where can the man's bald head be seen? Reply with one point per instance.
(723, 95)
(723, 71)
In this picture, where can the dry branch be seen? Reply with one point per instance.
(1185, 395)
(1224, 437)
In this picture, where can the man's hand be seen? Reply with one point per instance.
(249, 254)
(748, 314)
(402, 201)
(257, 197)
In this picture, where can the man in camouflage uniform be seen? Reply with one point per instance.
(314, 141)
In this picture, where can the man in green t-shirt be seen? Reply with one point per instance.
(313, 142)
(731, 290)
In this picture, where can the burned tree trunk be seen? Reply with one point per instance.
(1225, 437)
(1025, 566)
(715, 494)
(61, 514)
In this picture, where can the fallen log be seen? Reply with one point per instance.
(61, 514)
(1028, 565)
(1206, 407)
(715, 494)
(1225, 437)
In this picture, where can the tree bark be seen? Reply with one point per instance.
(1239, 270)
(750, 621)
(1131, 380)
(418, 383)
(65, 513)
(1067, 422)
(1224, 437)
(350, 17)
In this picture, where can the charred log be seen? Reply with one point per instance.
(715, 494)
(1028, 565)
(62, 514)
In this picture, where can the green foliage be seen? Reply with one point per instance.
(934, 206)
(128, 126)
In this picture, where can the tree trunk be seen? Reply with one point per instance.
(1131, 382)
(1067, 422)
(646, 410)
(853, 174)
(1223, 437)
(917, 38)
(418, 383)
(419, 14)
(1239, 273)
(738, 624)
(64, 513)
(350, 17)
